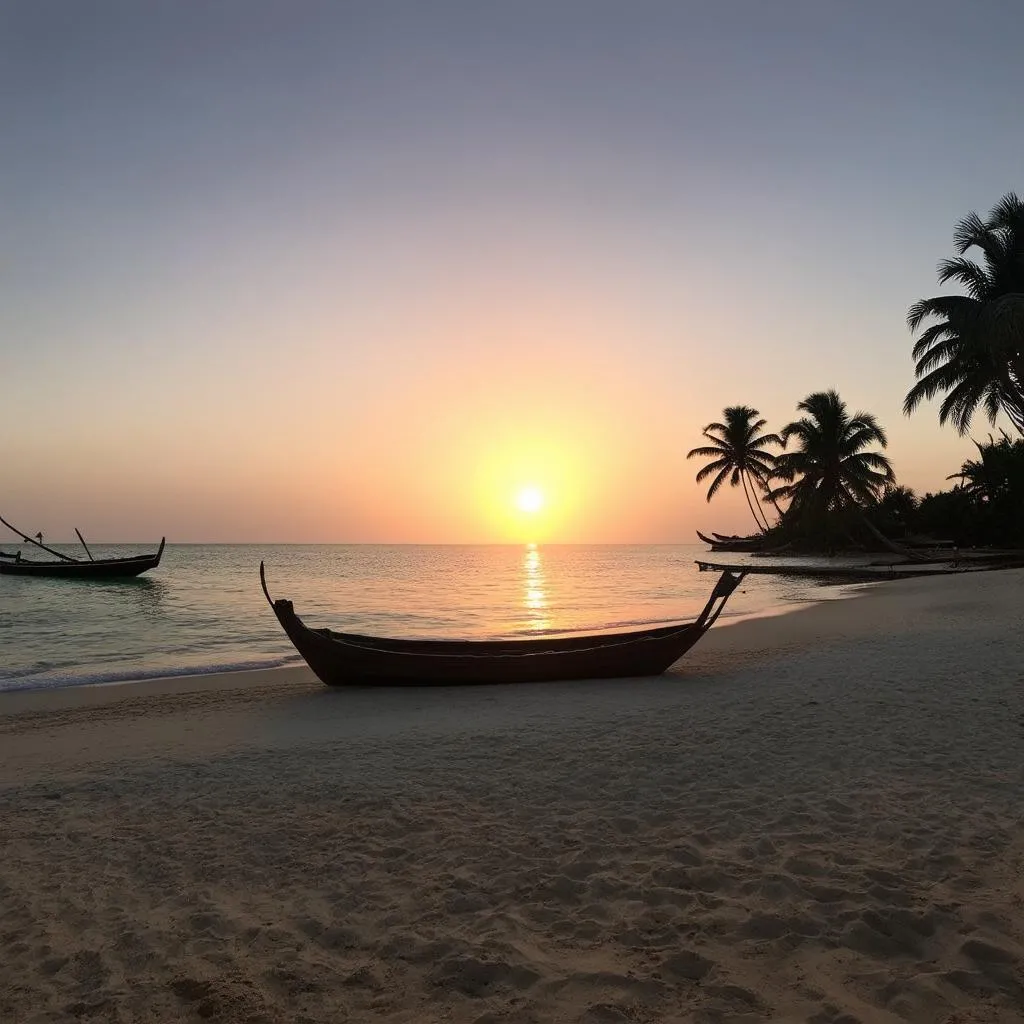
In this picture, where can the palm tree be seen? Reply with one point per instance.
(895, 509)
(974, 351)
(991, 476)
(831, 469)
(738, 451)
(993, 486)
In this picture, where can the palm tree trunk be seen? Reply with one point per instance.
(768, 495)
(897, 549)
(750, 504)
(760, 505)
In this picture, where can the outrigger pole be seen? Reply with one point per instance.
(39, 544)
(84, 545)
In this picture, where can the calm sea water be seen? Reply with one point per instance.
(202, 610)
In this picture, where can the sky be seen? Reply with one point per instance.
(365, 271)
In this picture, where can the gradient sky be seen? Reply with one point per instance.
(302, 271)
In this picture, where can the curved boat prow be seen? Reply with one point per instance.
(727, 583)
(263, 584)
(284, 610)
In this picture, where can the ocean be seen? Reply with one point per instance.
(202, 609)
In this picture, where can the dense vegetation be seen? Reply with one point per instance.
(987, 505)
(834, 488)
(836, 492)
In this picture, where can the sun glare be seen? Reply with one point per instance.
(530, 500)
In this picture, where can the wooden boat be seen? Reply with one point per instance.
(757, 545)
(347, 659)
(738, 544)
(67, 567)
(95, 569)
(862, 573)
(841, 573)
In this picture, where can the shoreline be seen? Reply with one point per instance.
(103, 691)
(126, 678)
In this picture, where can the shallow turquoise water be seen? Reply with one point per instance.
(202, 610)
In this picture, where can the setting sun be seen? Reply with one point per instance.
(530, 499)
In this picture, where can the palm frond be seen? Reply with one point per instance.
(966, 273)
(968, 231)
(1008, 212)
(866, 426)
(717, 482)
(874, 460)
(945, 307)
(712, 467)
(706, 452)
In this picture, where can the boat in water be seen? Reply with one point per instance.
(351, 659)
(65, 566)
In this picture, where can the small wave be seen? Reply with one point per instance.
(18, 673)
(19, 682)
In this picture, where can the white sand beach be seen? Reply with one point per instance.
(817, 817)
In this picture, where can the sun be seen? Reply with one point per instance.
(530, 499)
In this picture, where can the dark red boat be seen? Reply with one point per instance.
(351, 659)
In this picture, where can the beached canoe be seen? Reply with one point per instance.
(722, 543)
(756, 545)
(347, 659)
(94, 569)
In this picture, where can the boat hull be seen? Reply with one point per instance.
(867, 573)
(739, 544)
(349, 659)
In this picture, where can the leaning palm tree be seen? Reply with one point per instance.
(973, 352)
(832, 468)
(740, 453)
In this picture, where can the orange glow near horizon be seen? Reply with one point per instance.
(512, 418)
(527, 490)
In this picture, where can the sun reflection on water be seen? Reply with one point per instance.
(535, 598)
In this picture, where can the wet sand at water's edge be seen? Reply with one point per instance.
(815, 817)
